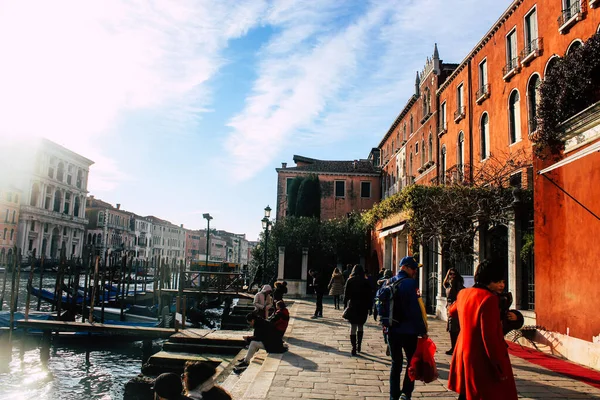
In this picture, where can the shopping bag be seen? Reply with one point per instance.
(422, 365)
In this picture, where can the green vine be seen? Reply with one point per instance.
(527, 246)
(571, 85)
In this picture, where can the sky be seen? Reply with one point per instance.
(187, 107)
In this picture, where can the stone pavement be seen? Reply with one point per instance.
(318, 365)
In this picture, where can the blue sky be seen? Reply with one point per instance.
(188, 107)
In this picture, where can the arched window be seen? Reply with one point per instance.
(550, 64)
(48, 201)
(422, 152)
(575, 44)
(35, 195)
(5, 230)
(76, 207)
(514, 117)
(411, 125)
(410, 165)
(57, 201)
(79, 181)
(14, 217)
(404, 132)
(485, 136)
(12, 233)
(533, 99)
(60, 172)
(430, 147)
(443, 164)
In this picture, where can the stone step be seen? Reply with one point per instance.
(203, 348)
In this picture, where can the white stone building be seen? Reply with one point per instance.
(54, 182)
(168, 240)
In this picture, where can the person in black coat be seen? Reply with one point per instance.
(319, 287)
(265, 337)
(357, 302)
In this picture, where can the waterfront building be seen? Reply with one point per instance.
(142, 242)
(471, 123)
(52, 213)
(9, 218)
(346, 186)
(109, 229)
(168, 240)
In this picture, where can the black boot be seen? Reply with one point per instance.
(353, 342)
(359, 340)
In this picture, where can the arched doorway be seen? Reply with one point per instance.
(496, 248)
(54, 243)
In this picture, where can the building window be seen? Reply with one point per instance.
(6, 217)
(57, 201)
(516, 180)
(531, 33)
(422, 152)
(485, 136)
(459, 96)
(483, 90)
(460, 151)
(512, 58)
(410, 165)
(32, 228)
(430, 147)
(365, 189)
(340, 188)
(574, 46)
(14, 216)
(417, 148)
(443, 164)
(48, 202)
(5, 230)
(60, 172)
(411, 125)
(514, 117)
(12, 233)
(76, 207)
(443, 123)
(533, 100)
(69, 174)
(79, 181)
(35, 194)
(404, 132)
(45, 228)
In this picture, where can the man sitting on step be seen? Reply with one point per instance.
(265, 337)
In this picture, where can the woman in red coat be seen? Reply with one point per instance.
(480, 368)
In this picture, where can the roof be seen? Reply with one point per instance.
(326, 166)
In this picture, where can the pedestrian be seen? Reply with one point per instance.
(279, 291)
(454, 283)
(198, 381)
(263, 301)
(265, 337)
(280, 318)
(168, 386)
(480, 367)
(319, 288)
(357, 303)
(403, 336)
(347, 272)
(336, 287)
(387, 274)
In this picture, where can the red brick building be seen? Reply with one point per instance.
(464, 119)
(346, 186)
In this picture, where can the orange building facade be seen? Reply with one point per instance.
(465, 123)
(346, 186)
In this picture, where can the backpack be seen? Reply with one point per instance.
(384, 300)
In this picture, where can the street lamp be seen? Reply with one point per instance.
(208, 218)
(266, 224)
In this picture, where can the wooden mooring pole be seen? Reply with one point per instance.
(93, 293)
(39, 302)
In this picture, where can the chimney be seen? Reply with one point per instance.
(354, 164)
(118, 206)
(283, 165)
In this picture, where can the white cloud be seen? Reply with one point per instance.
(329, 76)
(70, 68)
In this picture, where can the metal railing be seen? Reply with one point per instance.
(483, 92)
(459, 113)
(570, 12)
(533, 47)
(510, 66)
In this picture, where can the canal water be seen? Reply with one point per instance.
(67, 376)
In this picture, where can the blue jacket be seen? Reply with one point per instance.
(406, 297)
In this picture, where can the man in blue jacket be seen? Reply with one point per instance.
(403, 335)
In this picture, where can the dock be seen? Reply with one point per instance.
(93, 327)
(195, 292)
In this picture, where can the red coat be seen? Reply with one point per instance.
(480, 365)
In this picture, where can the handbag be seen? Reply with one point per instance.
(422, 365)
(347, 314)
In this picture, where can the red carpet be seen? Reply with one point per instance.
(563, 367)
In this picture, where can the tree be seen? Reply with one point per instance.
(308, 203)
(292, 195)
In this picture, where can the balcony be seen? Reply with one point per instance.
(426, 117)
(459, 114)
(511, 68)
(570, 16)
(594, 3)
(532, 50)
(443, 130)
(482, 93)
(456, 175)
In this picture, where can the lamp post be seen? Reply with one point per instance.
(266, 224)
(208, 218)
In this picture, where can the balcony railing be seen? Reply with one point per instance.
(482, 93)
(570, 15)
(443, 130)
(459, 113)
(511, 68)
(532, 50)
